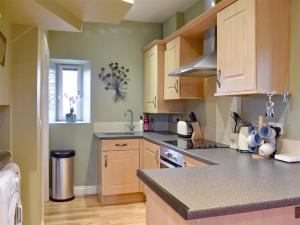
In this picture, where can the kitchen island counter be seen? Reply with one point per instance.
(233, 183)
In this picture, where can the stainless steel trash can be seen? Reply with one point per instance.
(62, 175)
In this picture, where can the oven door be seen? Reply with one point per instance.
(166, 163)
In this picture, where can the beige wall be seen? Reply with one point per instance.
(101, 44)
(24, 120)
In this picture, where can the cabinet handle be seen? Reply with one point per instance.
(219, 78)
(105, 161)
(176, 86)
(153, 102)
(121, 145)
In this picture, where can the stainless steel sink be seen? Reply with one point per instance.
(119, 133)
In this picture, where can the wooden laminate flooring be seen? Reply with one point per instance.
(87, 211)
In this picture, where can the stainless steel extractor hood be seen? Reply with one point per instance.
(205, 65)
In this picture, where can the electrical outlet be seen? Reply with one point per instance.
(278, 125)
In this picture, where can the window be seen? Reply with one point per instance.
(69, 92)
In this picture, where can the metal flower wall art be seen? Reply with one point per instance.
(116, 79)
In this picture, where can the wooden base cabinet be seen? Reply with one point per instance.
(154, 84)
(253, 47)
(118, 162)
(150, 158)
(159, 212)
(179, 52)
(119, 172)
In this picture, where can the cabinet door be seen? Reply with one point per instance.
(172, 62)
(119, 172)
(150, 158)
(150, 80)
(236, 47)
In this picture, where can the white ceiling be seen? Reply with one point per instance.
(157, 11)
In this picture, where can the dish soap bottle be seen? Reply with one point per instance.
(141, 124)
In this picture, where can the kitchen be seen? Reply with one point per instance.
(212, 183)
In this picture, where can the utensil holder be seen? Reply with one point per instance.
(197, 132)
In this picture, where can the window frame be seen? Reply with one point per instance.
(59, 87)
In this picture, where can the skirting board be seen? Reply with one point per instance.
(85, 190)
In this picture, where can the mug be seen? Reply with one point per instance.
(252, 149)
(267, 132)
(251, 129)
(266, 149)
(254, 140)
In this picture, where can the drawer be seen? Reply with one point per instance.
(190, 162)
(120, 144)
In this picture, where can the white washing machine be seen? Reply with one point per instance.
(10, 200)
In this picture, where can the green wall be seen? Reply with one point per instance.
(253, 106)
(101, 44)
(173, 23)
(194, 11)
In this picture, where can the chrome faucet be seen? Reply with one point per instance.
(130, 126)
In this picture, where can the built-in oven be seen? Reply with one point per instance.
(170, 158)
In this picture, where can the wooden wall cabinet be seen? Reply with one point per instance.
(154, 83)
(253, 47)
(179, 52)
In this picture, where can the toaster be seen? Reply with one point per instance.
(184, 129)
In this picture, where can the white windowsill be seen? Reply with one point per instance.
(64, 122)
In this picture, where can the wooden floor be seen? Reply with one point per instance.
(87, 211)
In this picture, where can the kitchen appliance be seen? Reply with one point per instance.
(170, 158)
(10, 198)
(184, 129)
(205, 65)
(187, 144)
(243, 143)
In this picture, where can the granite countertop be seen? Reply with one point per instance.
(233, 183)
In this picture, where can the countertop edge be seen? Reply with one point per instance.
(187, 214)
(230, 210)
(174, 203)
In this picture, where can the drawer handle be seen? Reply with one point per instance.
(121, 145)
(105, 161)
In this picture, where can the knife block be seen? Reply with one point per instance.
(197, 132)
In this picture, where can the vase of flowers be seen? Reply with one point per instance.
(73, 100)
